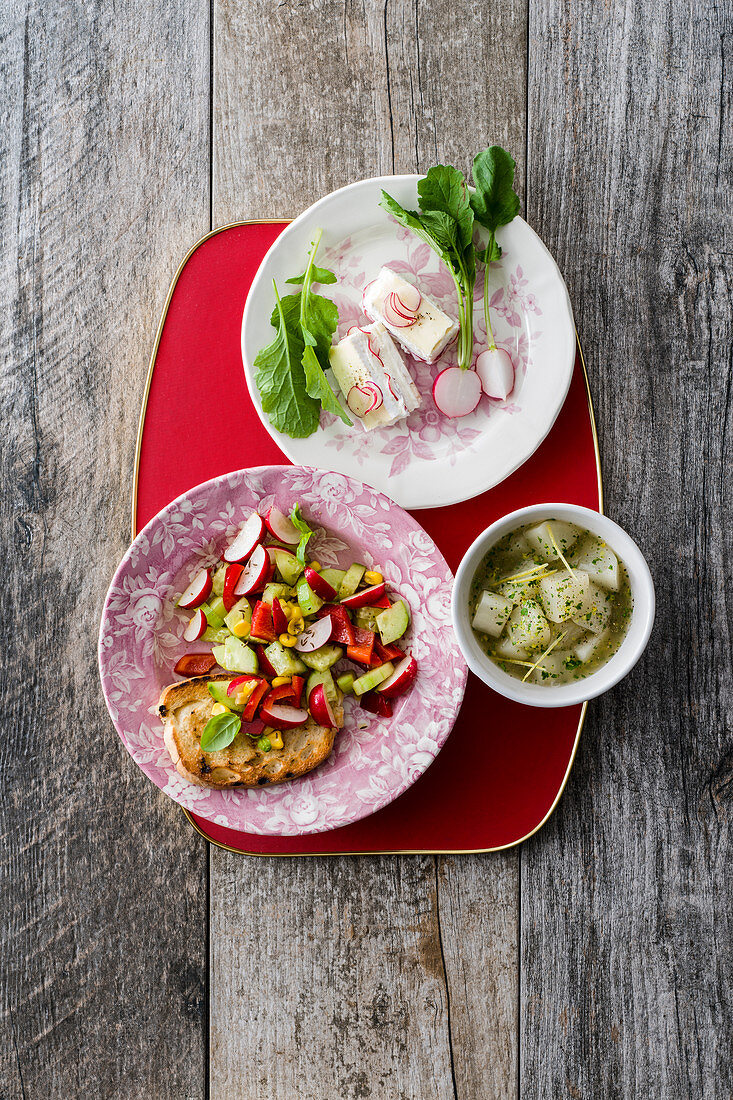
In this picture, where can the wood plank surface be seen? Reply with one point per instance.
(356, 977)
(103, 183)
(627, 938)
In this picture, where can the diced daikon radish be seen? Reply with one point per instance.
(528, 627)
(516, 587)
(599, 562)
(564, 534)
(563, 595)
(551, 669)
(505, 647)
(492, 613)
(591, 645)
(570, 632)
(595, 611)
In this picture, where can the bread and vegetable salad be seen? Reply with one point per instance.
(290, 640)
(294, 372)
(551, 603)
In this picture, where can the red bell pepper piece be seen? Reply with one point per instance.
(254, 700)
(195, 664)
(262, 625)
(231, 577)
(297, 683)
(362, 654)
(264, 663)
(388, 652)
(279, 619)
(239, 680)
(362, 636)
(342, 630)
(280, 694)
(376, 704)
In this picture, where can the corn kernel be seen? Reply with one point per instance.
(296, 625)
(280, 681)
(219, 708)
(316, 565)
(243, 695)
(373, 577)
(241, 630)
(276, 739)
(287, 609)
(287, 640)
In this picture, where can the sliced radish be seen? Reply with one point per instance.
(280, 527)
(392, 317)
(282, 718)
(255, 573)
(320, 707)
(197, 591)
(410, 298)
(315, 636)
(457, 392)
(401, 679)
(362, 399)
(195, 626)
(365, 597)
(401, 311)
(320, 586)
(249, 535)
(496, 371)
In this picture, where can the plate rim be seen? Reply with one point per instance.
(284, 442)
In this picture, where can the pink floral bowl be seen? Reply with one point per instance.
(141, 638)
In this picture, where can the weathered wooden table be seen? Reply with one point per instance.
(594, 962)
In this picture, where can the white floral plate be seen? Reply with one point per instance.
(374, 760)
(427, 460)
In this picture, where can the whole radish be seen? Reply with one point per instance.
(457, 392)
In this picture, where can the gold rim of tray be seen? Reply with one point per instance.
(138, 447)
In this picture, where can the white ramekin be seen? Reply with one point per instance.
(630, 650)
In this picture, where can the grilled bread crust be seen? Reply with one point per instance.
(185, 708)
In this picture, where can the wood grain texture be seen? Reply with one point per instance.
(103, 182)
(626, 895)
(360, 977)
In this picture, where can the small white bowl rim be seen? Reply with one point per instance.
(633, 645)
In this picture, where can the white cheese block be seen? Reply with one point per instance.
(373, 377)
(432, 331)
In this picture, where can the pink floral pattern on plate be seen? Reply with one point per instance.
(374, 760)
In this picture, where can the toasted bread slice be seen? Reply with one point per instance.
(185, 708)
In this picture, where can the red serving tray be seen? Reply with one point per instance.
(504, 766)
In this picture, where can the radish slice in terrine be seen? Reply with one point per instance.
(415, 320)
(373, 377)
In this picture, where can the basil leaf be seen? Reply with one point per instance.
(494, 202)
(279, 374)
(305, 532)
(220, 731)
(444, 190)
(318, 275)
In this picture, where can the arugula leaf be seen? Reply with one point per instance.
(279, 373)
(305, 532)
(319, 320)
(220, 731)
(320, 275)
(494, 203)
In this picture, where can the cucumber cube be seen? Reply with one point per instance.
(323, 658)
(345, 683)
(333, 577)
(351, 580)
(370, 679)
(218, 692)
(275, 591)
(366, 617)
(287, 565)
(283, 660)
(218, 636)
(215, 612)
(308, 601)
(217, 580)
(241, 612)
(393, 622)
(235, 656)
(492, 613)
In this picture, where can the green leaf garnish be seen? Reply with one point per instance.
(305, 532)
(279, 373)
(494, 203)
(319, 275)
(220, 731)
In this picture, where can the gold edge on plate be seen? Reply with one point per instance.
(138, 447)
